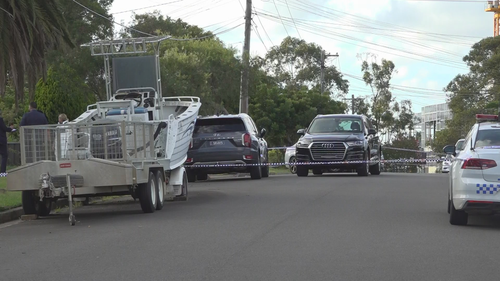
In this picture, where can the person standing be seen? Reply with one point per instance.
(63, 137)
(34, 117)
(4, 153)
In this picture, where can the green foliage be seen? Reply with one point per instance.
(62, 92)
(276, 156)
(202, 68)
(402, 141)
(447, 136)
(156, 24)
(29, 29)
(475, 92)
(283, 112)
(295, 63)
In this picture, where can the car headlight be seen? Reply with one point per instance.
(355, 143)
(303, 144)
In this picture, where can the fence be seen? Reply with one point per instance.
(14, 157)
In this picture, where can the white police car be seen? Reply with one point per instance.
(475, 172)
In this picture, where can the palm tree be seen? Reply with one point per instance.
(29, 29)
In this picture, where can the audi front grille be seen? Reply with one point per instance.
(328, 151)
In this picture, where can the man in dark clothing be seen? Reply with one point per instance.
(34, 117)
(3, 146)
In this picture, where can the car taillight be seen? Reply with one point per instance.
(246, 140)
(189, 160)
(478, 164)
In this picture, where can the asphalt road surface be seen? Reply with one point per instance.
(333, 227)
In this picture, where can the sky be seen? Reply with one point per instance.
(425, 39)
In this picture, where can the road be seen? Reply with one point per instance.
(333, 227)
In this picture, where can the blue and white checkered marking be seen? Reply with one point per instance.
(2, 175)
(487, 188)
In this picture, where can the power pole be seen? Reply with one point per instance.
(352, 104)
(246, 60)
(323, 56)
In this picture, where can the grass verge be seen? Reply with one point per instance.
(278, 170)
(8, 199)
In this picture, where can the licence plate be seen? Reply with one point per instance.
(216, 143)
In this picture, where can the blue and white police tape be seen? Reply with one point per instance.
(383, 148)
(327, 163)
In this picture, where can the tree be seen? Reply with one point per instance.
(156, 24)
(63, 92)
(378, 77)
(475, 92)
(203, 68)
(29, 29)
(282, 112)
(295, 63)
(84, 27)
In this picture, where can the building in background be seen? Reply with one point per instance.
(431, 120)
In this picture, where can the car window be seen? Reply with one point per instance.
(487, 138)
(335, 125)
(217, 125)
(460, 145)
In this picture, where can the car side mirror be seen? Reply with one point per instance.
(301, 132)
(372, 132)
(449, 149)
(263, 132)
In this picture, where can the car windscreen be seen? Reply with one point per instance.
(217, 125)
(335, 125)
(487, 138)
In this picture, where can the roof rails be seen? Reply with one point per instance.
(481, 118)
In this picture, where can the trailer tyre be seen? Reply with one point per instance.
(32, 204)
(161, 190)
(147, 194)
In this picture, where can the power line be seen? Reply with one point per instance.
(143, 8)
(171, 38)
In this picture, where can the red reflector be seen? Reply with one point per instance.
(474, 201)
(248, 157)
(478, 164)
(247, 140)
(65, 165)
(189, 160)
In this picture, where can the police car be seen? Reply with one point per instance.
(475, 172)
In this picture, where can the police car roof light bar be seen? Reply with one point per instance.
(486, 118)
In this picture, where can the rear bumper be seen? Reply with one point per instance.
(221, 162)
(476, 196)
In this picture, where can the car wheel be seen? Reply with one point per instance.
(458, 217)
(302, 170)
(375, 169)
(256, 171)
(293, 167)
(363, 170)
(265, 168)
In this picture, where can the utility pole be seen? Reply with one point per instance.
(323, 56)
(352, 103)
(246, 60)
